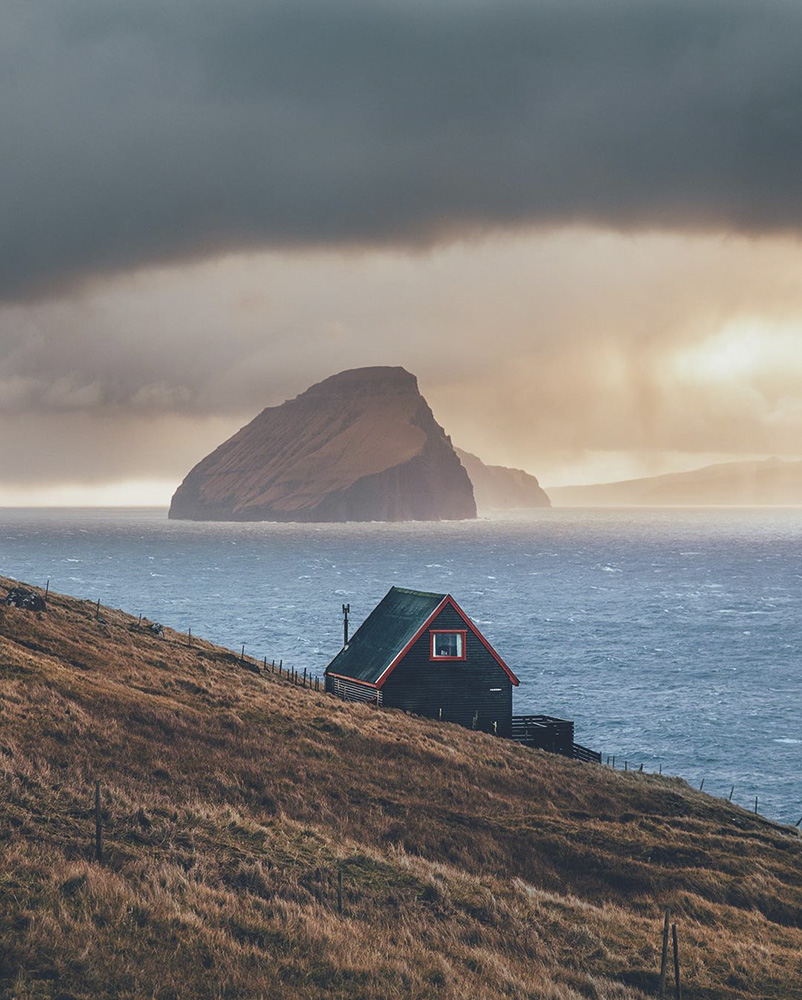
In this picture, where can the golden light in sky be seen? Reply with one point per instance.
(742, 350)
(578, 354)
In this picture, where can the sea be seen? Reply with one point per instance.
(672, 637)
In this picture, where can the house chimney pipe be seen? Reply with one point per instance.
(346, 609)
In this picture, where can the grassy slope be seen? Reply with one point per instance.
(472, 867)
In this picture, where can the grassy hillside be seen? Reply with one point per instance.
(471, 867)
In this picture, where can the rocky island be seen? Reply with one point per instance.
(362, 445)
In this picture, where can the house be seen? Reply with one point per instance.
(420, 652)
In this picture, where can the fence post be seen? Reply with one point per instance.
(98, 825)
(304, 676)
(729, 797)
(756, 805)
(677, 987)
(97, 608)
(702, 784)
(664, 957)
(47, 588)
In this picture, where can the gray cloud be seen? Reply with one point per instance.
(139, 131)
(552, 352)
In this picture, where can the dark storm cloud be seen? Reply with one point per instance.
(139, 131)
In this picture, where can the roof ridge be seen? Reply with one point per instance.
(420, 593)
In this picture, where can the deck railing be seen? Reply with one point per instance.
(578, 752)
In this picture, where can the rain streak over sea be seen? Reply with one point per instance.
(673, 638)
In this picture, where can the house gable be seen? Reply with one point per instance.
(403, 620)
(472, 687)
(447, 616)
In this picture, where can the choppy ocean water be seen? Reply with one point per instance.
(673, 638)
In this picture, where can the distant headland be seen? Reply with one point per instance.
(771, 481)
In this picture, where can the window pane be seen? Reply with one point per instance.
(447, 644)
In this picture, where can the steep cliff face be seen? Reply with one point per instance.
(495, 486)
(359, 446)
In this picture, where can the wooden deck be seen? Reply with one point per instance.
(545, 732)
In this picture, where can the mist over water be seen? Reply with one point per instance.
(671, 637)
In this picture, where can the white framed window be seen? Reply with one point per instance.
(447, 644)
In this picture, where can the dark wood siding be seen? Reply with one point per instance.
(454, 690)
(351, 691)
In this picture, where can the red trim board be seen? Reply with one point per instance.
(448, 599)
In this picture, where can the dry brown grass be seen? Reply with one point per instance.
(472, 867)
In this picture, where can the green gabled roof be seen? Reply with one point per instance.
(384, 634)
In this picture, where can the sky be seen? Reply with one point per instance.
(576, 221)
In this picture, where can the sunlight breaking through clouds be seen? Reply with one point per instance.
(744, 350)
(558, 352)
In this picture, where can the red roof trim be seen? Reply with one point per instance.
(353, 680)
(394, 662)
(448, 599)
